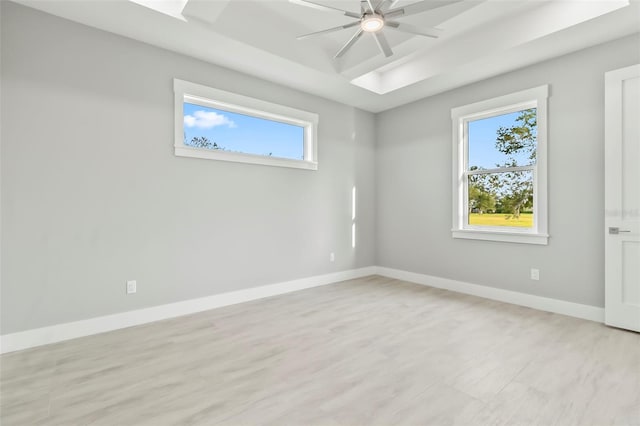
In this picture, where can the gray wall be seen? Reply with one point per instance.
(413, 178)
(92, 194)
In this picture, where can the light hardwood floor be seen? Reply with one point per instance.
(362, 352)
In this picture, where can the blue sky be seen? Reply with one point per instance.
(482, 142)
(243, 133)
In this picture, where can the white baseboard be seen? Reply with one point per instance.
(577, 310)
(59, 332)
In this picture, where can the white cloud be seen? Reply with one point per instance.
(207, 120)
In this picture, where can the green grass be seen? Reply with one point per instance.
(500, 219)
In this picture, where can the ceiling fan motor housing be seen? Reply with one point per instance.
(372, 22)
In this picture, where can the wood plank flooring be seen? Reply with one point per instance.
(371, 351)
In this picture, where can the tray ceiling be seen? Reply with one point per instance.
(479, 39)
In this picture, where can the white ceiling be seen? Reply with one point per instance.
(479, 39)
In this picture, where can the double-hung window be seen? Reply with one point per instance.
(218, 125)
(500, 170)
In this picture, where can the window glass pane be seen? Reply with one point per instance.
(505, 140)
(211, 128)
(501, 199)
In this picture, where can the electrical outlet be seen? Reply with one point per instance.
(131, 287)
(332, 257)
(535, 274)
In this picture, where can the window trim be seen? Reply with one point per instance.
(536, 97)
(205, 96)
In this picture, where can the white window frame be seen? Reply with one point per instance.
(210, 97)
(532, 98)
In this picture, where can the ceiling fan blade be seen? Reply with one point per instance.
(416, 8)
(383, 44)
(406, 28)
(329, 30)
(385, 5)
(371, 8)
(350, 43)
(325, 8)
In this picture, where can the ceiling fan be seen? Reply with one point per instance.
(374, 16)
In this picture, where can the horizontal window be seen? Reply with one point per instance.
(218, 125)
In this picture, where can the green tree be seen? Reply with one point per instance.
(203, 142)
(481, 200)
(515, 189)
(481, 194)
(516, 193)
(519, 138)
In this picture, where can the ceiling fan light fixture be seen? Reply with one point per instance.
(372, 23)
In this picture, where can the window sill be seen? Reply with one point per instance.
(505, 237)
(238, 157)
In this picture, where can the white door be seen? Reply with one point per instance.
(622, 198)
